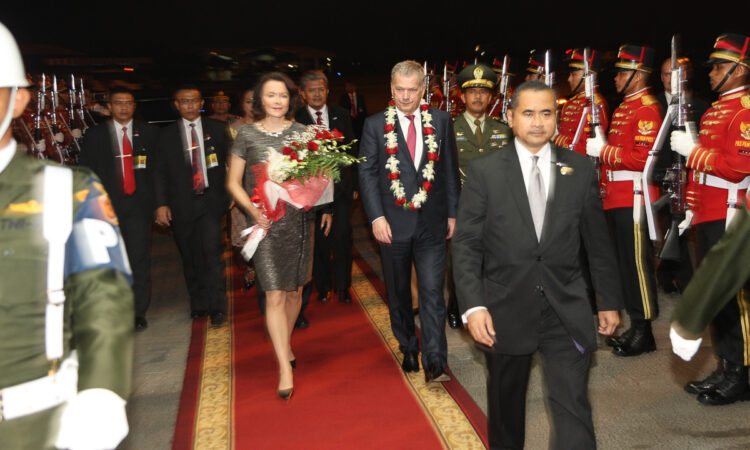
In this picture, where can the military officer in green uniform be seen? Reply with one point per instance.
(476, 134)
(66, 306)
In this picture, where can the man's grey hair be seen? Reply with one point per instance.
(310, 76)
(408, 68)
(532, 85)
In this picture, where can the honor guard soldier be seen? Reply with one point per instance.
(719, 166)
(632, 133)
(66, 328)
(476, 134)
(572, 111)
(535, 67)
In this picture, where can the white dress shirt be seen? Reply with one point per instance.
(323, 116)
(189, 141)
(404, 122)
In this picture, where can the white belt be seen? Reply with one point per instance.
(40, 394)
(731, 188)
(623, 175)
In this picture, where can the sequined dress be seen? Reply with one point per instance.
(283, 260)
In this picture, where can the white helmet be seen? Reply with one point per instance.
(12, 73)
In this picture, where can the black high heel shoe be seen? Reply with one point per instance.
(293, 363)
(286, 394)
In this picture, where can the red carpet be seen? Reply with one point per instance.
(349, 389)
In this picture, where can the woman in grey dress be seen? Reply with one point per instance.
(283, 257)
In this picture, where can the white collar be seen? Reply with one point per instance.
(6, 154)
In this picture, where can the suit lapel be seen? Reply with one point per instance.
(517, 188)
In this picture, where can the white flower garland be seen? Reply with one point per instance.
(391, 144)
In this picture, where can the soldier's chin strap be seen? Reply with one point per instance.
(9, 112)
(625, 88)
(578, 86)
(724, 80)
(57, 222)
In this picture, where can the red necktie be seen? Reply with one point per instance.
(320, 117)
(411, 137)
(199, 182)
(128, 177)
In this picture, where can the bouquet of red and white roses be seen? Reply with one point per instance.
(301, 175)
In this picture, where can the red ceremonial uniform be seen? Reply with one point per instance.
(570, 117)
(632, 132)
(722, 156)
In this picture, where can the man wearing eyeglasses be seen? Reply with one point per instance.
(121, 153)
(191, 197)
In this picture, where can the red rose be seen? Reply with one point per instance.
(391, 103)
(389, 127)
(319, 135)
(429, 130)
(293, 156)
(411, 205)
(295, 144)
(427, 186)
(424, 107)
(400, 201)
(286, 151)
(391, 150)
(393, 176)
(311, 145)
(432, 156)
(338, 135)
(327, 135)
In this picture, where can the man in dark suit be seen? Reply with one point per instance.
(121, 152)
(190, 195)
(410, 187)
(333, 235)
(524, 214)
(354, 103)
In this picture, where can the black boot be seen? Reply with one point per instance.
(731, 389)
(710, 382)
(640, 341)
(615, 340)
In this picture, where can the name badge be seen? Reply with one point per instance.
(140, 162)
(460, 138)
(212, 161)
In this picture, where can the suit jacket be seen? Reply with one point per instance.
(346, 103)
(338, 119)
(499, 264)
(100, 152)
(174, 173)
(377, 198)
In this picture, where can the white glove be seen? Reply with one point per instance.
(76, 133)
(595, 144)
(59, 137)
(40, 146)
(684, 348)
(94, 419)
(685, 224)
(682, 143)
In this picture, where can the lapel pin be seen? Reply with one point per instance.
(564, 168)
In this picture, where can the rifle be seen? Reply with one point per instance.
(503, 92)
(675, 177)
(427, 78)
(549, 74)
(589, 83)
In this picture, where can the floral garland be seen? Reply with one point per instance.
(391, 147)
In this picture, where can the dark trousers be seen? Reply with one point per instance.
(332, 255)
(135, 227)
(566, 374)
(634, 259)
(201, 246)
(730, 328)
(428, 255)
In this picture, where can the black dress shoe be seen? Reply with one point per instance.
(733, 388)
(435, 374)
(323, 298)
(301, 322)
(197, 314)
(140, 323)
(639, 342)
(344, 296)
(410, 364)
(217, 318)
(615, 340)
(453, 320)
(709, 383)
